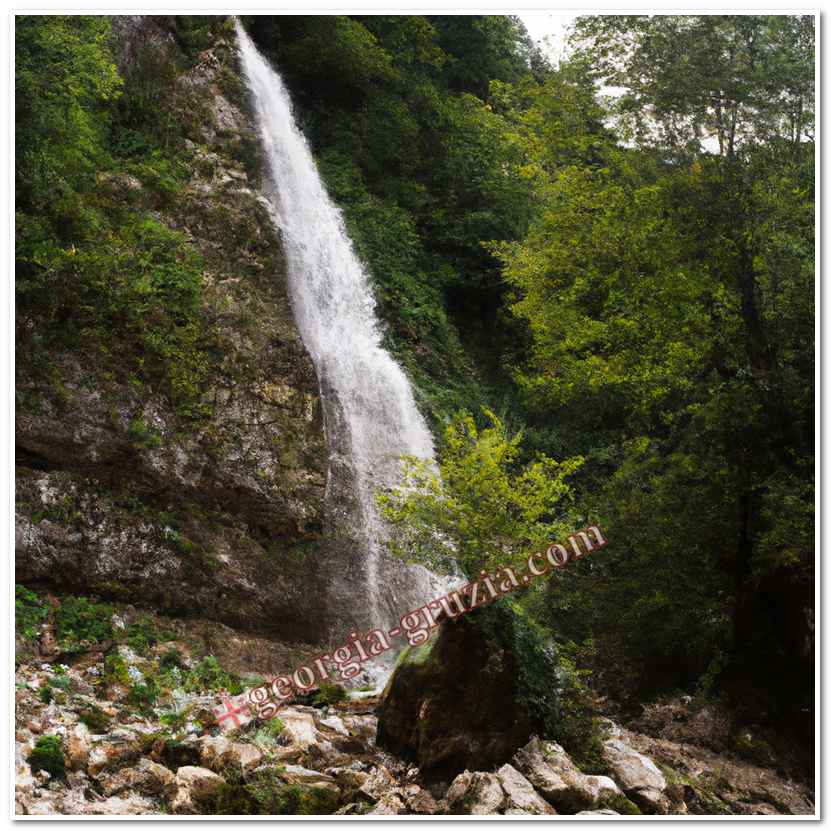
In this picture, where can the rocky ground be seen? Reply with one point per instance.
(131, 729)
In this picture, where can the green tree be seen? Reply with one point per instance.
(480, 508)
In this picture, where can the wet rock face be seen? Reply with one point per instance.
(118, 494)
(461, 701)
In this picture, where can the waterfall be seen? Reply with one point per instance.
(370, 415)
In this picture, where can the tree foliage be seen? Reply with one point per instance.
(480, 508)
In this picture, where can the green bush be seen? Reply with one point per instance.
(143, 694)
(171, 658)
(144, 633)
(80, 622)
(143, 436)
(329, 694)
(208, 676)
(29, 611)
(96, 719)
(115, 669)
(48, 755)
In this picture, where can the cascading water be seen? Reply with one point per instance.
(370, 416)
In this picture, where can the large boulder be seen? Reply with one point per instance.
(550, 770)
(638, 775)
(471, 695)
(520, 794)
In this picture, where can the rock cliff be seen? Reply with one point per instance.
(119, 495)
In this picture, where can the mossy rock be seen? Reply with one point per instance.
(471, 695)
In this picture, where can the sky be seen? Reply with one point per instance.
(549, 31)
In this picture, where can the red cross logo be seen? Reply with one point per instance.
(230, 712)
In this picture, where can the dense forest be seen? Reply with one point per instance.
(626, 285)
(598, 275)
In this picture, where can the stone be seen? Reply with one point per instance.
(475, 793)
(78, 746)
(637, 775)
(419, 801)
(117, 749)
(598, 812)
(149, 778)
(334, 723)
(299, 728)
(388, 804)
(219, 753)
(520, 792)
(378, 782)
(552, 772)
(194, 788)
(426, 714)
(298, 775)
(348, 778)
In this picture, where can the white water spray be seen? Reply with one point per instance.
(374, 420)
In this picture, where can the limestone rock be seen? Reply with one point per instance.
(78, 747)
(419, 801)
(475, 793)
(638, 775)
(300, 728)
(219, 753)
(388, 804)
(194, 788)
(551, 771)
(519, 792)
(149, 778)
(118, 748)
(377, 783)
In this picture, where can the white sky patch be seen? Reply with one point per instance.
(549, 32)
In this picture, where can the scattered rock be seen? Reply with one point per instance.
(195, 786)
(390, 804)
(551, 771)
(219, 753)
(419, 801)
(520, 793)
(377, 783)
(638, 775)
(475, 793)
(149, 778)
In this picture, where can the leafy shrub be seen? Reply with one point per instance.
(115, 669)
(48, 755)
(143, 436)
(96, 719)
(29, 611)
(145, 633)
(208, 676)
(80, 622)
(143, 694)
(274, 727)
(329, 694)
(171, 659)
